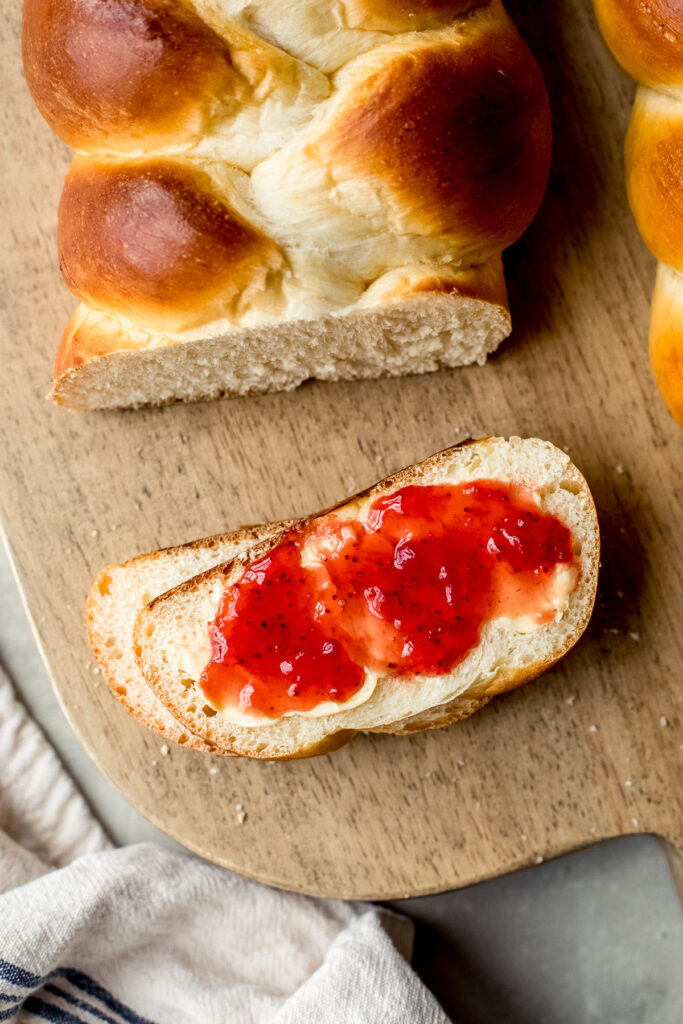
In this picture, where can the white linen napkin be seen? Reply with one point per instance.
(95, 935)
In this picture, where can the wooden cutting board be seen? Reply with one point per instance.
(592, 750)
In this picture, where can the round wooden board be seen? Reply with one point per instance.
(538, 772)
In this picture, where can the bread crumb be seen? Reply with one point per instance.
(663, 721)
(478, 804)
(635, 636)
(592, 831)
(461, 764)
(239, 807)
(164, 749)
(628, 783)
(154, 764)
(428, 775)
(592, 728)
(213, 770)
(570, 700)
(523, 837)
(94, 533)
(241, 816)
(619, 469)
(635, 822)
(96, 671)
(539, 860)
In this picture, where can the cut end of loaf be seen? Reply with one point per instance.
(101, 366)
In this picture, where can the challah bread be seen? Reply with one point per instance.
(175, 642)
(121, 591)
(268, 192)
(647, 40)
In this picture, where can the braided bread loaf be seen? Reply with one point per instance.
(647, 40)
(266, 191)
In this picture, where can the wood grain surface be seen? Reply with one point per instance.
(592, 750)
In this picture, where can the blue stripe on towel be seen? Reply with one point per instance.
(49, 1012)
(18, 976)
(95, 991)
(24, 979)
(82, 1004)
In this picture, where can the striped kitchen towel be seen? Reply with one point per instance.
(141, 935)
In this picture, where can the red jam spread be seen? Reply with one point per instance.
(404, 591)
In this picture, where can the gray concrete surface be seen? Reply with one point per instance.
(594, 938)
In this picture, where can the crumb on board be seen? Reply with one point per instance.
(592, 728)
(164, 749)
(663, 721)
(570, 700)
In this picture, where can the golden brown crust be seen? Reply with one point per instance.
(646, 37)
(654, 174)
(485, 283)
(123, 72)
(447, 129)
(458, 131)
(405, 15)
(151, 240)
(666, 339)
(83, 341)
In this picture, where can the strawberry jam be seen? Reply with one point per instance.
(403, 591)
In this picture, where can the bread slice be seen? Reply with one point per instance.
(121, 591)
(171, 628)
(423, 321)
